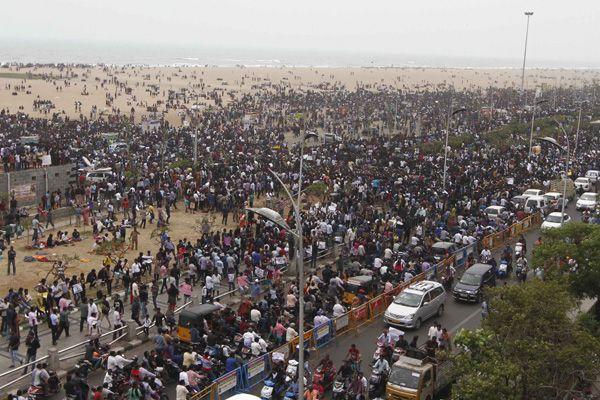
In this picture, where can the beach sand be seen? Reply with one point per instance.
(144, 89)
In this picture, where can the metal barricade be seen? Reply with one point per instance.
(323, 334)
(359, 316)
(255, 371)
(377, 306)
(229, 384)
(205, 394)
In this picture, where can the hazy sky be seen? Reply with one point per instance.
(559, 30)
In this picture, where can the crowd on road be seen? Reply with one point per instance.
(385, 204)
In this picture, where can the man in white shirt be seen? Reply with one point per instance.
(255, 315)
(255, 348)
(116, 362)
(338, 310)
(290, 333)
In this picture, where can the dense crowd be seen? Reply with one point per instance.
(384, 204)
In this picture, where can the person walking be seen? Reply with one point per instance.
(63, 322)
(13, 346)
(49, 219)
(83, 313)
(12, 257)
(134, 238)
(33, 343)
(54, 320)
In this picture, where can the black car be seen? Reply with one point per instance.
(471, 284)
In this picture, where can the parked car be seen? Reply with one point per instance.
(519, 201)
(473, 281)
(536, 203)
(415, 304)
(554, 200)
(493, 212)
(331, 138)
(554, 220)
(98, 176)
(587, 201)
(582, 183)
(532, 192)
(592, 175)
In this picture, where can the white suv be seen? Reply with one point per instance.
(415, 304)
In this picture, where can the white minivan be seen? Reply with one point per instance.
(535, 203)
(592, 175)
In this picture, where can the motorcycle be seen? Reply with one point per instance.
(503, 269)
(519, 249)
(338, 391)
(324, 376)
(45, 392)
(376, 386)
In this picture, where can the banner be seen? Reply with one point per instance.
(322, 331)
(341, 322)
(256, 366)
(227, 382)
(25, 193)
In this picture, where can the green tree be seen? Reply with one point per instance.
(528, 346)
(580, 242)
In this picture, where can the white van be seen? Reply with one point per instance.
(535, 203)
(99, 175)
(592, 175)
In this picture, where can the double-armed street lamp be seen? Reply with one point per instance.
(278, 220)
(567, 151)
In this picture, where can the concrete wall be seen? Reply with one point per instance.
(29, 185)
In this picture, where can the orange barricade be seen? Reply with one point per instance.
(377, 306)
(308, 335)
(359, 316)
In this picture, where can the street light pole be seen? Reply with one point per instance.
(553, 142)
(578, 124)
(448, 124)
(298, 234)
(528, 14)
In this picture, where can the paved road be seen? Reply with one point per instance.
(456, 316)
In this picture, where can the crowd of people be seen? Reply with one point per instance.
(385, 205)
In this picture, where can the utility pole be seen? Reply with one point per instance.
(528, 14)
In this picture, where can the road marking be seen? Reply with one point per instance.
(464, 321)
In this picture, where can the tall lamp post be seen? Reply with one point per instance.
(448, 124)
(566, 150)
(578, 124)
(528, 14)
(532, 122)
(277, 219)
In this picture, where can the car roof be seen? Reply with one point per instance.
(583, 178)
(536, 198)
(443, 245)
(557, 214)
(360, 279)
(494, 207)
(553, 194)
(594, 193)
(478, 268)
(532, 189)
(424, 286)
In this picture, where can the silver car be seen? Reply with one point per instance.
(415, 304)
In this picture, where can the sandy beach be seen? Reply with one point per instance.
(147, 92)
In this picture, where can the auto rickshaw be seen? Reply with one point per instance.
(354, 285)
(193, 316)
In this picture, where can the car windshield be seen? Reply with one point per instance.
(581, 180)
(405, 378)
(470, 279)
(553, 218)
(409, 299)
(492, 211)
(588, 196)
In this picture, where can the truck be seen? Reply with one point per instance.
(418, 377)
